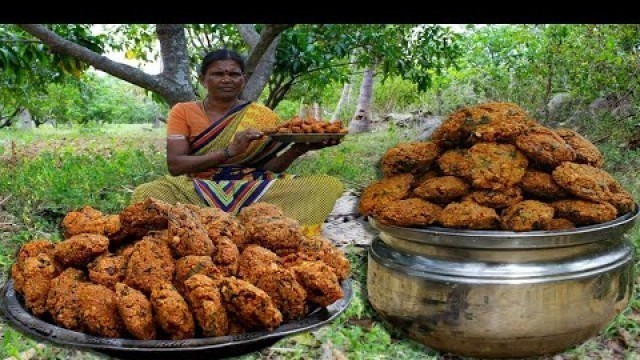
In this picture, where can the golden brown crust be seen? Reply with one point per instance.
(384, 191)
(590, 183)
(623, 201)
(496, 166)
(220, 224)
(253, 259)
(63, 302)
(527, 215)
(38, 271)
(442, 189)
(586, 152)
(484, 122)
(319, 248)
(539, 184)
(451, 132)
(274, 233)
(27, 250)
(99, 311)
(187, 235)
(557, 224)
(495, 199)
(455, 162)
(584, 212)
(136, 312)
(257, 210)
(107, 269)
(506, 122)
(80, 249)
(18, 278)
(319, 281)
(89, 220)
(408, 212)
(285, 291)
(409, 157)
(203, 294)
(468, 215)
(225, 255)
(172, 313)
(191, 265)
(33, 248)
(150, 263)
(138, 219)
(545, 146)
(249, 304)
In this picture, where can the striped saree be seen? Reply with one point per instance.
(242, 181)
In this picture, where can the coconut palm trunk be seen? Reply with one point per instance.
(341, 103)
(361, 121)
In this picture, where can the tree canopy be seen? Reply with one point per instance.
(313, 53)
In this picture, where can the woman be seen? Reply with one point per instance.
(218, 156)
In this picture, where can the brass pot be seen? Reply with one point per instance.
(501, 293)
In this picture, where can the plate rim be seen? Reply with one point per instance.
(14, 314)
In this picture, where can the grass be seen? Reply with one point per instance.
(45, 173)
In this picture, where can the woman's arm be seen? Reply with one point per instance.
(179, 162)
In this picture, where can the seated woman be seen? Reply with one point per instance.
(218, 156)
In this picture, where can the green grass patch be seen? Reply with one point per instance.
(355, 160)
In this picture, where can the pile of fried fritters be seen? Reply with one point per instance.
(161, 271)
(309, 126)
(491, 166)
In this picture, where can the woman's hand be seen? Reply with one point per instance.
(242, 140)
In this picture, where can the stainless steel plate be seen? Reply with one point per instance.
(17, 316)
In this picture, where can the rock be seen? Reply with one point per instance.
(561, 107)
(345, 226)
(356, 232)
(402, 120)
(428, 126)
(25, 122)
(618, 105)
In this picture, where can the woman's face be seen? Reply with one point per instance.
(223, 80)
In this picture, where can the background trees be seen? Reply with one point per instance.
(425, 68)
(316, 54)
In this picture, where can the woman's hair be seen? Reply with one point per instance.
(220, 54)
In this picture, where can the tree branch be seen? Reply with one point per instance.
(270, 32)
(100, 62)
(249, 34)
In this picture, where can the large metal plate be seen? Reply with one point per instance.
(305, 137)
(502, 239)
(17, 316)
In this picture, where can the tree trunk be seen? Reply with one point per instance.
(317, 111)
(547, 90)
(174, 83)
(361, 121)
(343, 100)
(6, 122)
(258, 80)
(303, 113)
